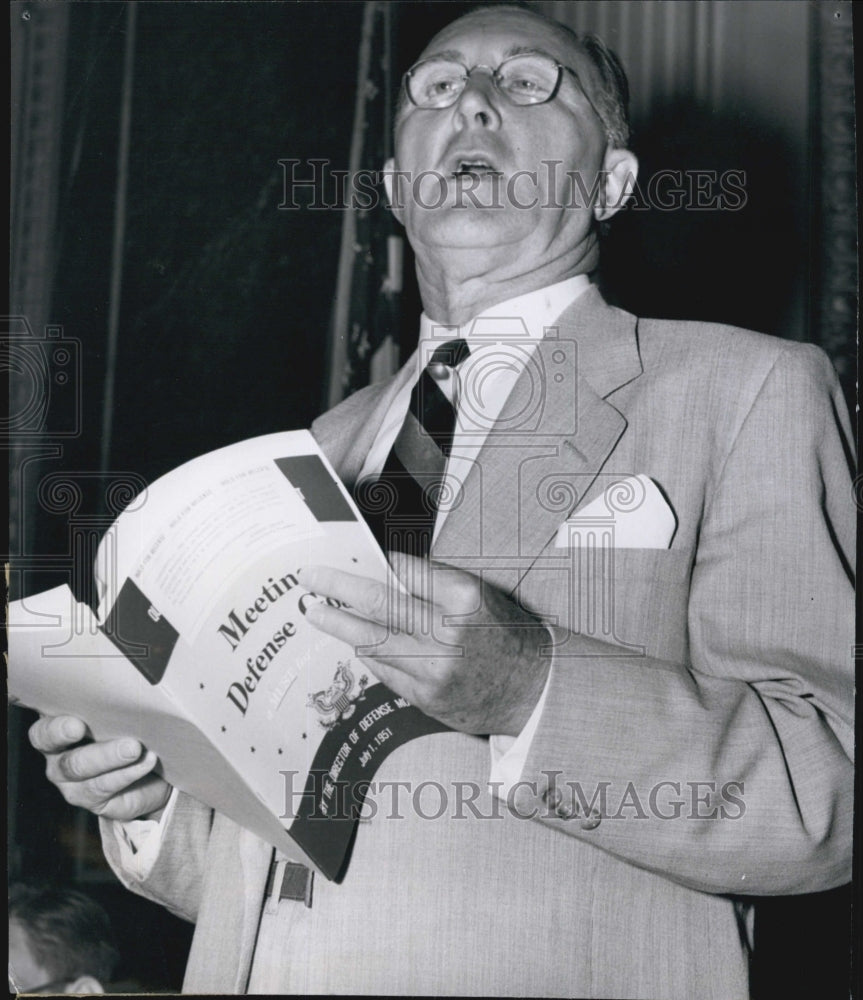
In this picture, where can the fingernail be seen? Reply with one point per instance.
(313, 613)
(130, 750)
(72, 729)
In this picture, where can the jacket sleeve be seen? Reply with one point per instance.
(176, 876)
(733, 774)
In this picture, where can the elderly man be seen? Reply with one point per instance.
(634, 625)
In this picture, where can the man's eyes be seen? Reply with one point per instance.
(443, 85)
(523, 83)
(527, 84)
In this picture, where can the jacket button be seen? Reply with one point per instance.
(551, 797)
(565, 811)
(592, 821)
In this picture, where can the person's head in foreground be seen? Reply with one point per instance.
(60, 941)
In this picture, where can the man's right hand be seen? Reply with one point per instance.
(112, 778)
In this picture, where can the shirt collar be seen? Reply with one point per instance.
(524, 316)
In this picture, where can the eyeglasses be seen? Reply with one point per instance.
(437, 83)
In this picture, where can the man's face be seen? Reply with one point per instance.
(474, 195)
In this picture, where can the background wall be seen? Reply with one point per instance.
(716, 87)
(744, 87)
(222, 300)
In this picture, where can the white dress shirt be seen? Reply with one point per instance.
(502, 340)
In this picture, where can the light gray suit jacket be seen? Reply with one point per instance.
(700, 699)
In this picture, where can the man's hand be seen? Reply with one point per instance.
(112, 778)
(457, 648)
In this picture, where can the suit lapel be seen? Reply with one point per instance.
(347, 432)
(554, 435)
(606, 340)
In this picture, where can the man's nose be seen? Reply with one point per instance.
(478, 103)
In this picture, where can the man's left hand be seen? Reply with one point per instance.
(454, 646)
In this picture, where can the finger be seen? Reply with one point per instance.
(447, 588)
(370, 639)
(51, 734)
(96, 793)
(343, 625)
(146, 796)
(365, 597)
(107, 786)
(414, 574)
(94, 759)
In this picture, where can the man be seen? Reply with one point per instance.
(60, 941)
(669, 711)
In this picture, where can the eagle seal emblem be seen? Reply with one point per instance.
(336, 704)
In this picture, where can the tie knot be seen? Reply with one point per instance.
(446, 357)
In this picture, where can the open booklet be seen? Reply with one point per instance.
(201, 648)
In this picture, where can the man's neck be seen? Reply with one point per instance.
(457, 285)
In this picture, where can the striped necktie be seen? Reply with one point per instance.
(402, 505)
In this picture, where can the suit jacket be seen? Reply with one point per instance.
(699, 704)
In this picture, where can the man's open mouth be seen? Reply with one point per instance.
(475, 168)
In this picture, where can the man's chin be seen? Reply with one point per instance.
(467, 227)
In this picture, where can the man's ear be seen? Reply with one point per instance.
(84, 984)
(393, 195)
(619, 171)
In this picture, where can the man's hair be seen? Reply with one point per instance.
(69, 933)
(612, 99)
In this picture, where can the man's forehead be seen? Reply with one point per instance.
(496, 34)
